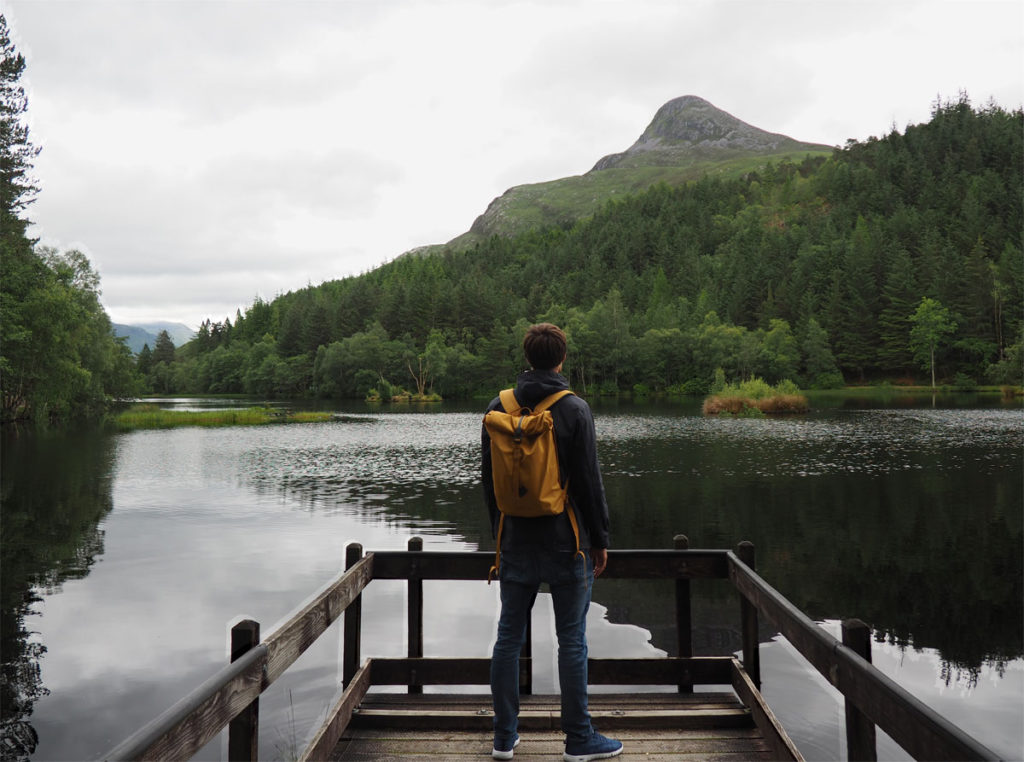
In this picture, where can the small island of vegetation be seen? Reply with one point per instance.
(754, 398)
(149, 416)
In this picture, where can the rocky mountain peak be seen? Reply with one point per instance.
(690, 128)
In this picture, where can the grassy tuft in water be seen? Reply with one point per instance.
(147, 416)
(755, 398)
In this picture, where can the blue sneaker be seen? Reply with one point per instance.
(503, 749)
(595, 747)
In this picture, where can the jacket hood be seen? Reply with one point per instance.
(534, 385)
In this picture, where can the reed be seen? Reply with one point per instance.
(153, 417)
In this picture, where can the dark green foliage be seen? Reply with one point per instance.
(59, 358)
(807, 271)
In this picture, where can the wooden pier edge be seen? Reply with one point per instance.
(431, 715)
(337, 720)
(871, 698)
(916, 727)
(774, 734)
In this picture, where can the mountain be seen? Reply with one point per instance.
(687, 139)
(146, 333)
(689, 130)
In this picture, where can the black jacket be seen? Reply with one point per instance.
(577, 459)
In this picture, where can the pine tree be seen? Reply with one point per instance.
(899, 296)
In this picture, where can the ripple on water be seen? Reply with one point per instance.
(865, 442)
(388, 457)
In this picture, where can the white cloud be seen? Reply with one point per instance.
(203, 152)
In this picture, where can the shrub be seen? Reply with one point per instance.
(718, 383)
(697, 386)
(964, 383)
(755, 397)
(832, 380)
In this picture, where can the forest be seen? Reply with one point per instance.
(897, 259)
(58, 356)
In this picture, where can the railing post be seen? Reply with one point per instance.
(353, 621)
(243, 730)
(860, 731)
(415, 613)
(748, 621)
(684, 621)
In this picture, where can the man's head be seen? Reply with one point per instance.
(544, 345)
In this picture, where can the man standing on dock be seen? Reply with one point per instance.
(566, 550)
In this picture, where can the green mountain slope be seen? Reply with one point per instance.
(688, 138)
(818, 271)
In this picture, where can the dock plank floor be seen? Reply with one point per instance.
(705, 726)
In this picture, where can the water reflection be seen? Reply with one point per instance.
(907, 518)
(55, 490)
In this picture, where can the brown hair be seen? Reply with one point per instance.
(544, 345)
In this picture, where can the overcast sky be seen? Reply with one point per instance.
(205, 153)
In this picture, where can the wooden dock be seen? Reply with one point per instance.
(657, 726)
(733, 722)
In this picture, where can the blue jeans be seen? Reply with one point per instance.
(570, 579)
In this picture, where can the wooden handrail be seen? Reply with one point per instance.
(186, 727)
(919, 729)
(189, 725)
(622, 564)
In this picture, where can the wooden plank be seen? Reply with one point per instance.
(860, 731)
(435, 671)
(622, 564)
(747, 735)
(748, 621)
(614, 700)
(407, 745)
(188, 725)
(707, 670)
(456, 712)
(415, 613)
(649, 744)
(353, 633)
(338, 719)
(244, 729)
(289, 641)
(684, 621)
(455, 719)
(782, 747)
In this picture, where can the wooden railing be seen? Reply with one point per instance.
(230, 697)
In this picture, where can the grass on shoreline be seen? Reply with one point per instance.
(152, 417)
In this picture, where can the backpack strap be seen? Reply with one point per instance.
(550, 400)
(509, 401)
(511, 404)
(497, 554)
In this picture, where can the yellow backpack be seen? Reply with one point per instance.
(524, 463)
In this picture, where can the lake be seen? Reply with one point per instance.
(126, 557)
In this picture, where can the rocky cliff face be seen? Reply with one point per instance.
(689, 128)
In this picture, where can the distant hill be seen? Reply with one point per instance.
(146, 333)
(687, 139)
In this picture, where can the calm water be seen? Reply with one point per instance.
(128, 556)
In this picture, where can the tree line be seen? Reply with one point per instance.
(58, 356)
(898, 258)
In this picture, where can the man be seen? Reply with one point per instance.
(535, 550)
